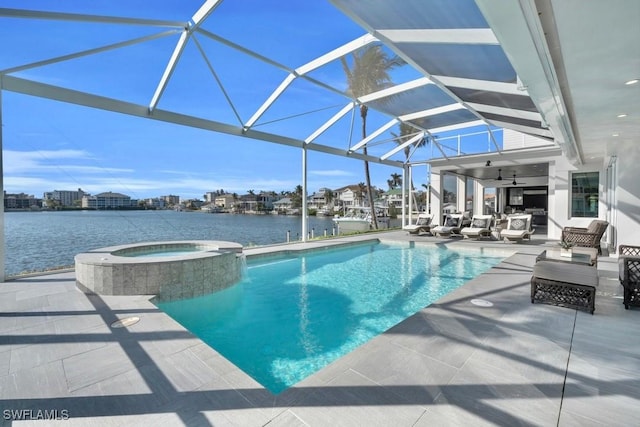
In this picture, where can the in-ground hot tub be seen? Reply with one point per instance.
(169, 270)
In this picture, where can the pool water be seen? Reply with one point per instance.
(291, 316)
(160, 252)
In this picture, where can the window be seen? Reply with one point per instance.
(584, 194)
(450, 190)
(468, 205)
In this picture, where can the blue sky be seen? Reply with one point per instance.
(50, 145)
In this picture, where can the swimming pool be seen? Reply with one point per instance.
(293, 315)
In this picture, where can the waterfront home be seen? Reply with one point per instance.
(108, 200)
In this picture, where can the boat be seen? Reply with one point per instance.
(359, 219)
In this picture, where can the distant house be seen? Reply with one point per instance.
(347, 197)
(319, 200)
(224, 201)
(283, 205)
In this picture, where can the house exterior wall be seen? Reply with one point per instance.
(627, 195)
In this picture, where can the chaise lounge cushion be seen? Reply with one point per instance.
(451, 225)
(518, 228)
(423, 223)
(480, 227)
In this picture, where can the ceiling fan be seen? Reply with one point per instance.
(515, 182)
(499, 178)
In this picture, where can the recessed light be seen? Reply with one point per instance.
(616, 134)
(620, 116)
(632, 82)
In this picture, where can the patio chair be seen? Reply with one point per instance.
(588, 237)
(480, 227)
(423, 224)
(452, 225)
(518, 228)
(629, 271)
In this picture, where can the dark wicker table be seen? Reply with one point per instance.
(565, 284)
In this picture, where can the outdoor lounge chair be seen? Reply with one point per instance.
(423, 224)
(452, 225)
(518, 228)
(586, 237)
(480, 227)
(629, 270)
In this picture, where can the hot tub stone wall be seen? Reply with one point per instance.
(169, 278)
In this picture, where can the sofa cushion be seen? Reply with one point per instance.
(566, 272)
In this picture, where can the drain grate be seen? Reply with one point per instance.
(481, 303)
(127, 321)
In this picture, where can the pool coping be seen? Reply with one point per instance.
(421, 371)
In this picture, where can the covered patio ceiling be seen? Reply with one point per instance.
(469, 64)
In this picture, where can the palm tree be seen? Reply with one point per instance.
(369, 73)
(396, 180)
(328, 197)
(362, 188)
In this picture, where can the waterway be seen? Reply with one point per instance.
(38, 241)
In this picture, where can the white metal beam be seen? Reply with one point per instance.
(441, 36)
(509, 112)
(86, 52)
(272, 98)
(396, 89)
(60, 16)
(375, 134)
(170, 68)
(336, 53)
(340, 114)
(215, 76)
(431, 112)
(458, 126)
(42, 90)
(203, 12)
(402, 146)
(524, 129)
(483, 85)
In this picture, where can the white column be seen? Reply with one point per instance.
(407, 185)
(305, 212)
(403, 217)
(461, 197)
(478, 198)
(436, 196)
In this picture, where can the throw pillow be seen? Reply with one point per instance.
(452, 222)
(479, 223)
(518, 224)
(423, 221)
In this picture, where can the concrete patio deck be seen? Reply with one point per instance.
(453, 363)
